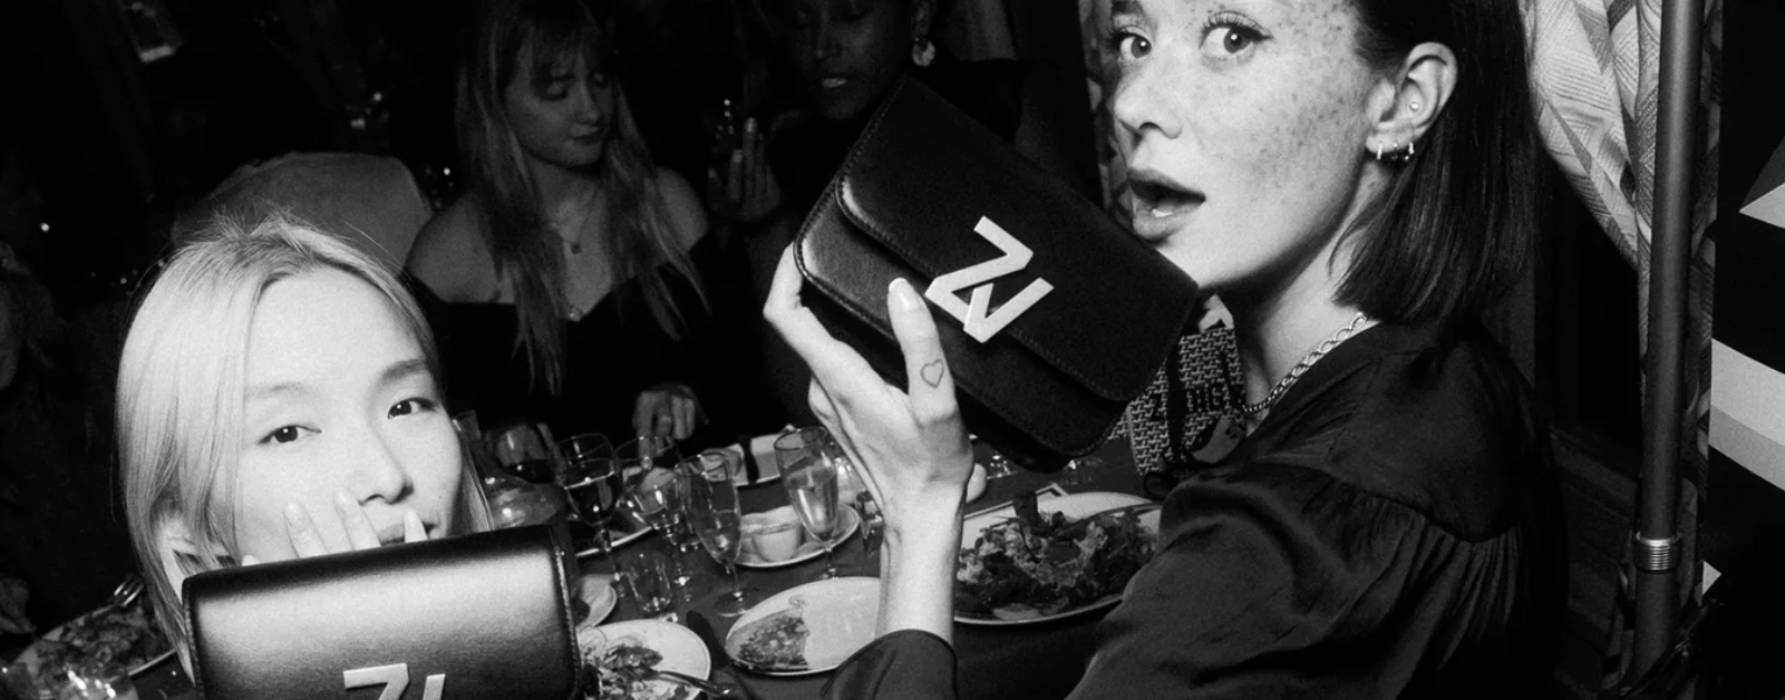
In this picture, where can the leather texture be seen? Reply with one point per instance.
(906, 203)
(490, 611)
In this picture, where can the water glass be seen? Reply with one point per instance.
(720, 532)
(526, 450)
(812, 470)
(594, 486)
(583, 445)
(712, 481)
(645, 577)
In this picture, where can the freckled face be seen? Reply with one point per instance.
(1243, 124)
(339, 400)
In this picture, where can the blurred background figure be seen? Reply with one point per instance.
(62, 545)
(841, 57)
(570, 283)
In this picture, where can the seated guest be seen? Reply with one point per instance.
(847, 55)
(277, 399)
(1353, 178)
(571, 274)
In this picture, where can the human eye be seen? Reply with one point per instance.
(1226, 35)
(284, 434)
(411, 406)
(598, 79)
(1127, 43)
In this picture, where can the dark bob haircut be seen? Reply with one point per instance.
(1456, 224)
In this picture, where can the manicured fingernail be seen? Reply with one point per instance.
(249, 560)
(344, 501)
(413, 530)
(296, 517)
(903, 296)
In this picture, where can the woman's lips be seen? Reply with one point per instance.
(832, 82)
(1160, 203)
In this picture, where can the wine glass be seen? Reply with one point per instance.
(812, 467)
(593, 485)
(658, 492)
(719, 531)
(712, 481)
(525, 450)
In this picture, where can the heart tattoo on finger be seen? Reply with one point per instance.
(932, 373)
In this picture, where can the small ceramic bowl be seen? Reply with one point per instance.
(772, 536)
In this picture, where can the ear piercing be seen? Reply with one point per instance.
(1414, 106)
(1395, 153)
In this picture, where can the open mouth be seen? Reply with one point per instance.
(1159, 197)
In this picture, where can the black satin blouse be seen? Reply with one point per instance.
(612, 353)
(1390, 530)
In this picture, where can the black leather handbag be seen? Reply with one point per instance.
(1053, 317)
(480, 616)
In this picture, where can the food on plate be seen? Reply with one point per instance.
(123, 637)
(1032, 565)
(777, 641)
(623, 671)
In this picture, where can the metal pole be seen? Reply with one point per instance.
(1657, 534)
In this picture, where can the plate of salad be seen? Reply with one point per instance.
(1044, 559)
(623, 656)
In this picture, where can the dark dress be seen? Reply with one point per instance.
(612, 353)
(1390, 530)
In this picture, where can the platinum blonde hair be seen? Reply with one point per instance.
(181, 384)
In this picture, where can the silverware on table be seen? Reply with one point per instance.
(712, 689)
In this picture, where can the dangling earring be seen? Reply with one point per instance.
(923, 51)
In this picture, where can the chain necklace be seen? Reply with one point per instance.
(1300, 368)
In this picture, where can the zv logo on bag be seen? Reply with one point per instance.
(975, 315)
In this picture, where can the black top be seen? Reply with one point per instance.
(1390, 530)
(612, 353)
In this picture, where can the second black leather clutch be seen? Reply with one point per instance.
(1052, 316)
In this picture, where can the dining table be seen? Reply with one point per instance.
(1040, 659)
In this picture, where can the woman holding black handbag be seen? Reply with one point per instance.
(1352, 177)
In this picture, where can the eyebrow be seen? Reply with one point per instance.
(396, 372)
(403, 369)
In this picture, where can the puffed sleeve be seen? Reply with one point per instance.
(1283, 582)
(903, 665)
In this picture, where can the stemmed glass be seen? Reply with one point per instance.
(593, 485)
(525, 450)
(812, 469)
(713, 512)
(659, 492)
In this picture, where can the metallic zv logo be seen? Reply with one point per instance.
(395, 679)
(980, 322)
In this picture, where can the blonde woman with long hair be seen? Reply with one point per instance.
(568, 269)
(277, 399)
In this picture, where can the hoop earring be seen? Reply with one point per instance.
(923, 51)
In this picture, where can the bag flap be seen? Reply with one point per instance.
(946, 195)
(488, 612)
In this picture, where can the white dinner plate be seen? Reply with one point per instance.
(762, 449)
(1076, 506)
(682, 650)
(839, 614)
(597, 591)
(749, 560)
